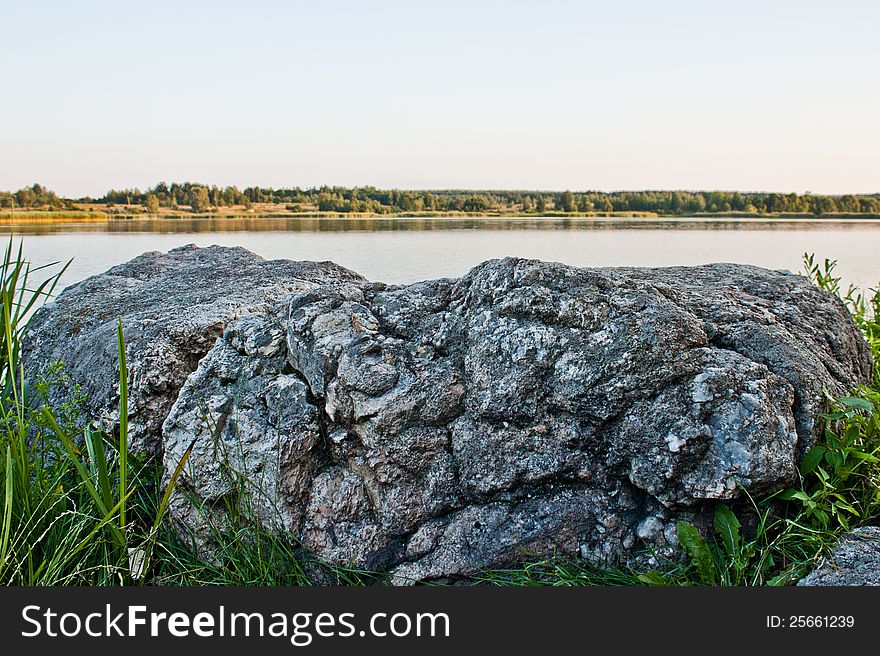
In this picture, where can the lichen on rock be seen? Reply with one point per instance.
(854, 561)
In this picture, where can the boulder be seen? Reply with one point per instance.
(524, 410)
(854, 561)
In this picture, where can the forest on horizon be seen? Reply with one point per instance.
(201, 198)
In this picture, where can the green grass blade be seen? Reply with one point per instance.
(96, 451)
(163, 506)
(73, 454)
(123, 423)
(107, 520)
(7, 508)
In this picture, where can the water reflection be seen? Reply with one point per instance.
(415, 224)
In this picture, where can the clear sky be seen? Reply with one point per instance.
(770, 95)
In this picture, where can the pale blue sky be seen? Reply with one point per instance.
(770, 95)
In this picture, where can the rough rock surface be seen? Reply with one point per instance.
(173, 306)
(525, 409)
(854, 561)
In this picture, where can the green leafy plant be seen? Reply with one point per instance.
(727, 557)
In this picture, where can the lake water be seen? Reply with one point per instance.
(407, 250)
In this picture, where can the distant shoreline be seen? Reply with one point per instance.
(194, 200)
(27, 217)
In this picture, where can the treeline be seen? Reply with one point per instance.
(201, 198)
(197, 197)
(372, 200)
(34, 197)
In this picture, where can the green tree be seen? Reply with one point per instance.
(152, 204)
(540, 204)
(568, 203)
(25, 197)
(198, 199)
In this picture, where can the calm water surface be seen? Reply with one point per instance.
(406, 250)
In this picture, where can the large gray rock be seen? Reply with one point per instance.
(854, 561)
(524, 410)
